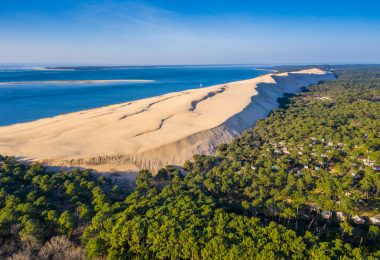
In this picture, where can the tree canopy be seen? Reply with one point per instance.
(303, 183)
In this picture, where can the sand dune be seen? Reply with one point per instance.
(153, 132)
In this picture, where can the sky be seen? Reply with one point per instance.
(138, 32)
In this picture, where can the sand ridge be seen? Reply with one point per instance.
(153, 132)
(84, 81)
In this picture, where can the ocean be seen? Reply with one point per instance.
(30, 93)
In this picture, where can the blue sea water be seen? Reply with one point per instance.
(27, 94)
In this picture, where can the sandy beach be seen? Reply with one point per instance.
(153, 132)
(77, 81)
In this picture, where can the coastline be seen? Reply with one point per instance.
(97, 81)
(153, 132)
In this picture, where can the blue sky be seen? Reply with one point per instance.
(189, 32)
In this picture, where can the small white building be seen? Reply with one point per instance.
(358, 220)
(314, 207)
(375, 220)
(368, 162)
(341, 216)
(326, 214)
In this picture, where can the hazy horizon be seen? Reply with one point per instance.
(51, 65)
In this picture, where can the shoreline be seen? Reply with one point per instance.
(96, 81)
(153, 132)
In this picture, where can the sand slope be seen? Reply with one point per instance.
(153, 132)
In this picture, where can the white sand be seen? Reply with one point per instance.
(153, 132)
(84, 81)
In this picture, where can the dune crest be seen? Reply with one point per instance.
(153, 132)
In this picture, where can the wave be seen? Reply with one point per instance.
(23, 69)
(97, 81)
(52, 69)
